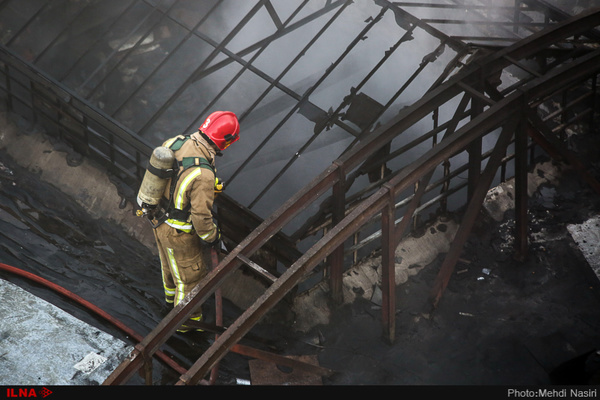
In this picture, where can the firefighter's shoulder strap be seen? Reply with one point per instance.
(187, 162)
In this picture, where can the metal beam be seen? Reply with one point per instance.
(472, 212)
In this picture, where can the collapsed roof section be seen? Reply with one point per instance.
(308, 79)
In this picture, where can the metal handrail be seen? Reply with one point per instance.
(62, 109)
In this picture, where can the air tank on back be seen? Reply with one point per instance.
(156, 178)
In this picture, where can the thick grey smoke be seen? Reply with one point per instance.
(159, 67)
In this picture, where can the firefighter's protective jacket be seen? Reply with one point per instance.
(193, 194)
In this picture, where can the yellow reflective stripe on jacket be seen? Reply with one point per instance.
(181, 225)
(185, 226)
(178, 201)
(207, 235)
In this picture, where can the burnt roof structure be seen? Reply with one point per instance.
(308, 79)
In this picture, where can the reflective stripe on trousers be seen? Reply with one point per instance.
(177, 277)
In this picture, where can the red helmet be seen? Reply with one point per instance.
(222, 127)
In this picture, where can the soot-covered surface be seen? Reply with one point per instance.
(46, 233)
(499, 322)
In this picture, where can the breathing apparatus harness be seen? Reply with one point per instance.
(166, 209)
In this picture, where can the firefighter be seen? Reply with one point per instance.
(186, 232)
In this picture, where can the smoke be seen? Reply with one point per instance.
(330, 69)
(302, 97)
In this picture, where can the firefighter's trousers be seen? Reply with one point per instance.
(184, 262)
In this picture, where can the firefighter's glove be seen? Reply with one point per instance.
(216, 242)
